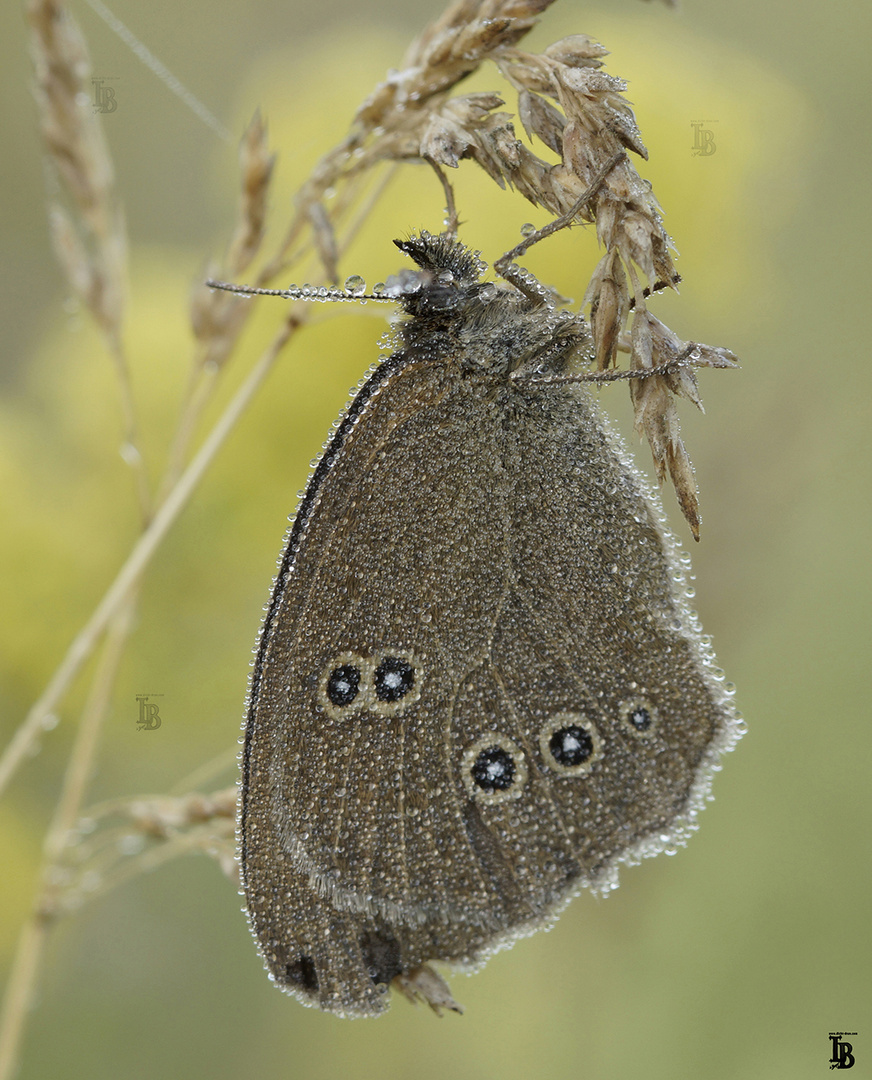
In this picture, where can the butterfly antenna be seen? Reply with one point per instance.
(355, 289)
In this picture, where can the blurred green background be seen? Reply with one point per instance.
(736, 958)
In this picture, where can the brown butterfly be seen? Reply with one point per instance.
(479, 687)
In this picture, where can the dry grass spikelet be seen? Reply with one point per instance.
(118, 840)
(579, 112)
(92, 246)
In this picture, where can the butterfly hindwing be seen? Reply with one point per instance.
(475, 691)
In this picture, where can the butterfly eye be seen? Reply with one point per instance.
(494, 769)
(639, 715)
(570, 744)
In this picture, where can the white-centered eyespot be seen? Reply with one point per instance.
(494, 769)
(639, 716)
(397, 679)
(383, 684)
(343, 687)
(570, 743)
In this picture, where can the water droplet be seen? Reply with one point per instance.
(527, 229)
(129, 454)
(131, 844)
(355, 284)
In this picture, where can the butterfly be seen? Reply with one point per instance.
(478, 687)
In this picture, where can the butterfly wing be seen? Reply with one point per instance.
(477, 689)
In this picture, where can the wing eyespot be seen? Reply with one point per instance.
(570, 744)
(383, 685)
(343, 686)
(397, 680)
(639, 716)
(494, 769)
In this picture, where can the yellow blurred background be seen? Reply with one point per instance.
(736, 958)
